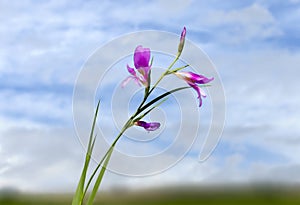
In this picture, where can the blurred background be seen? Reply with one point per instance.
(255, 46)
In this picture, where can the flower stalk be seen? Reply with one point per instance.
(141, 75)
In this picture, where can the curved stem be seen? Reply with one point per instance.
(130, 121)
(125, 127)
(157, 82)
(164, 74)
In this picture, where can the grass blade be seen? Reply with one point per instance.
(99, 179)
(79, 194)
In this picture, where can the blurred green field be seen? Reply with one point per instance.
(173, 196)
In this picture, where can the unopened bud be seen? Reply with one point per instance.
(182, 39)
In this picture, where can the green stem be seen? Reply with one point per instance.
(164, 74)
(99, 179)
(78, 197)
(126, 126)
(157, 82)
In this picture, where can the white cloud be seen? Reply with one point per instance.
(45, 108)
(260, 91)
(47, 43)
(245, 24)
(48, 156)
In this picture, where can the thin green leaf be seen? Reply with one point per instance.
(99, 179)
(127, 125)
(155, 106)
(160, 97)
(79, 194)
(177, 69)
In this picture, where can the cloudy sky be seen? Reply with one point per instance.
(254, 45)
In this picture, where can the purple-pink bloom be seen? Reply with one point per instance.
(141, 60)
(149, 126)
(194, 80)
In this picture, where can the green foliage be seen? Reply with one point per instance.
(180, 196)
(80, 193)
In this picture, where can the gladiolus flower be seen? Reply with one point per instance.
(182, 39)
(149, 126)
(194, 80)
(141, 60)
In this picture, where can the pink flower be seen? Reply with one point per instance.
(141, 60)
(193, 80)
(149, 126)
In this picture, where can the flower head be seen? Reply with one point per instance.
(194, 80)
(182, 40)
(149, 126)
(141, 60)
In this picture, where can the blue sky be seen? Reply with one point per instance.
(255, 46)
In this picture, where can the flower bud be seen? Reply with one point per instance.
(149, 126)
(182, 39)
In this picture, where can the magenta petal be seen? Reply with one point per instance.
(200, 79)
(141, 57)
(151, 126)
(198, 90)
(141, 62)
(194, 78)
(131, 70)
